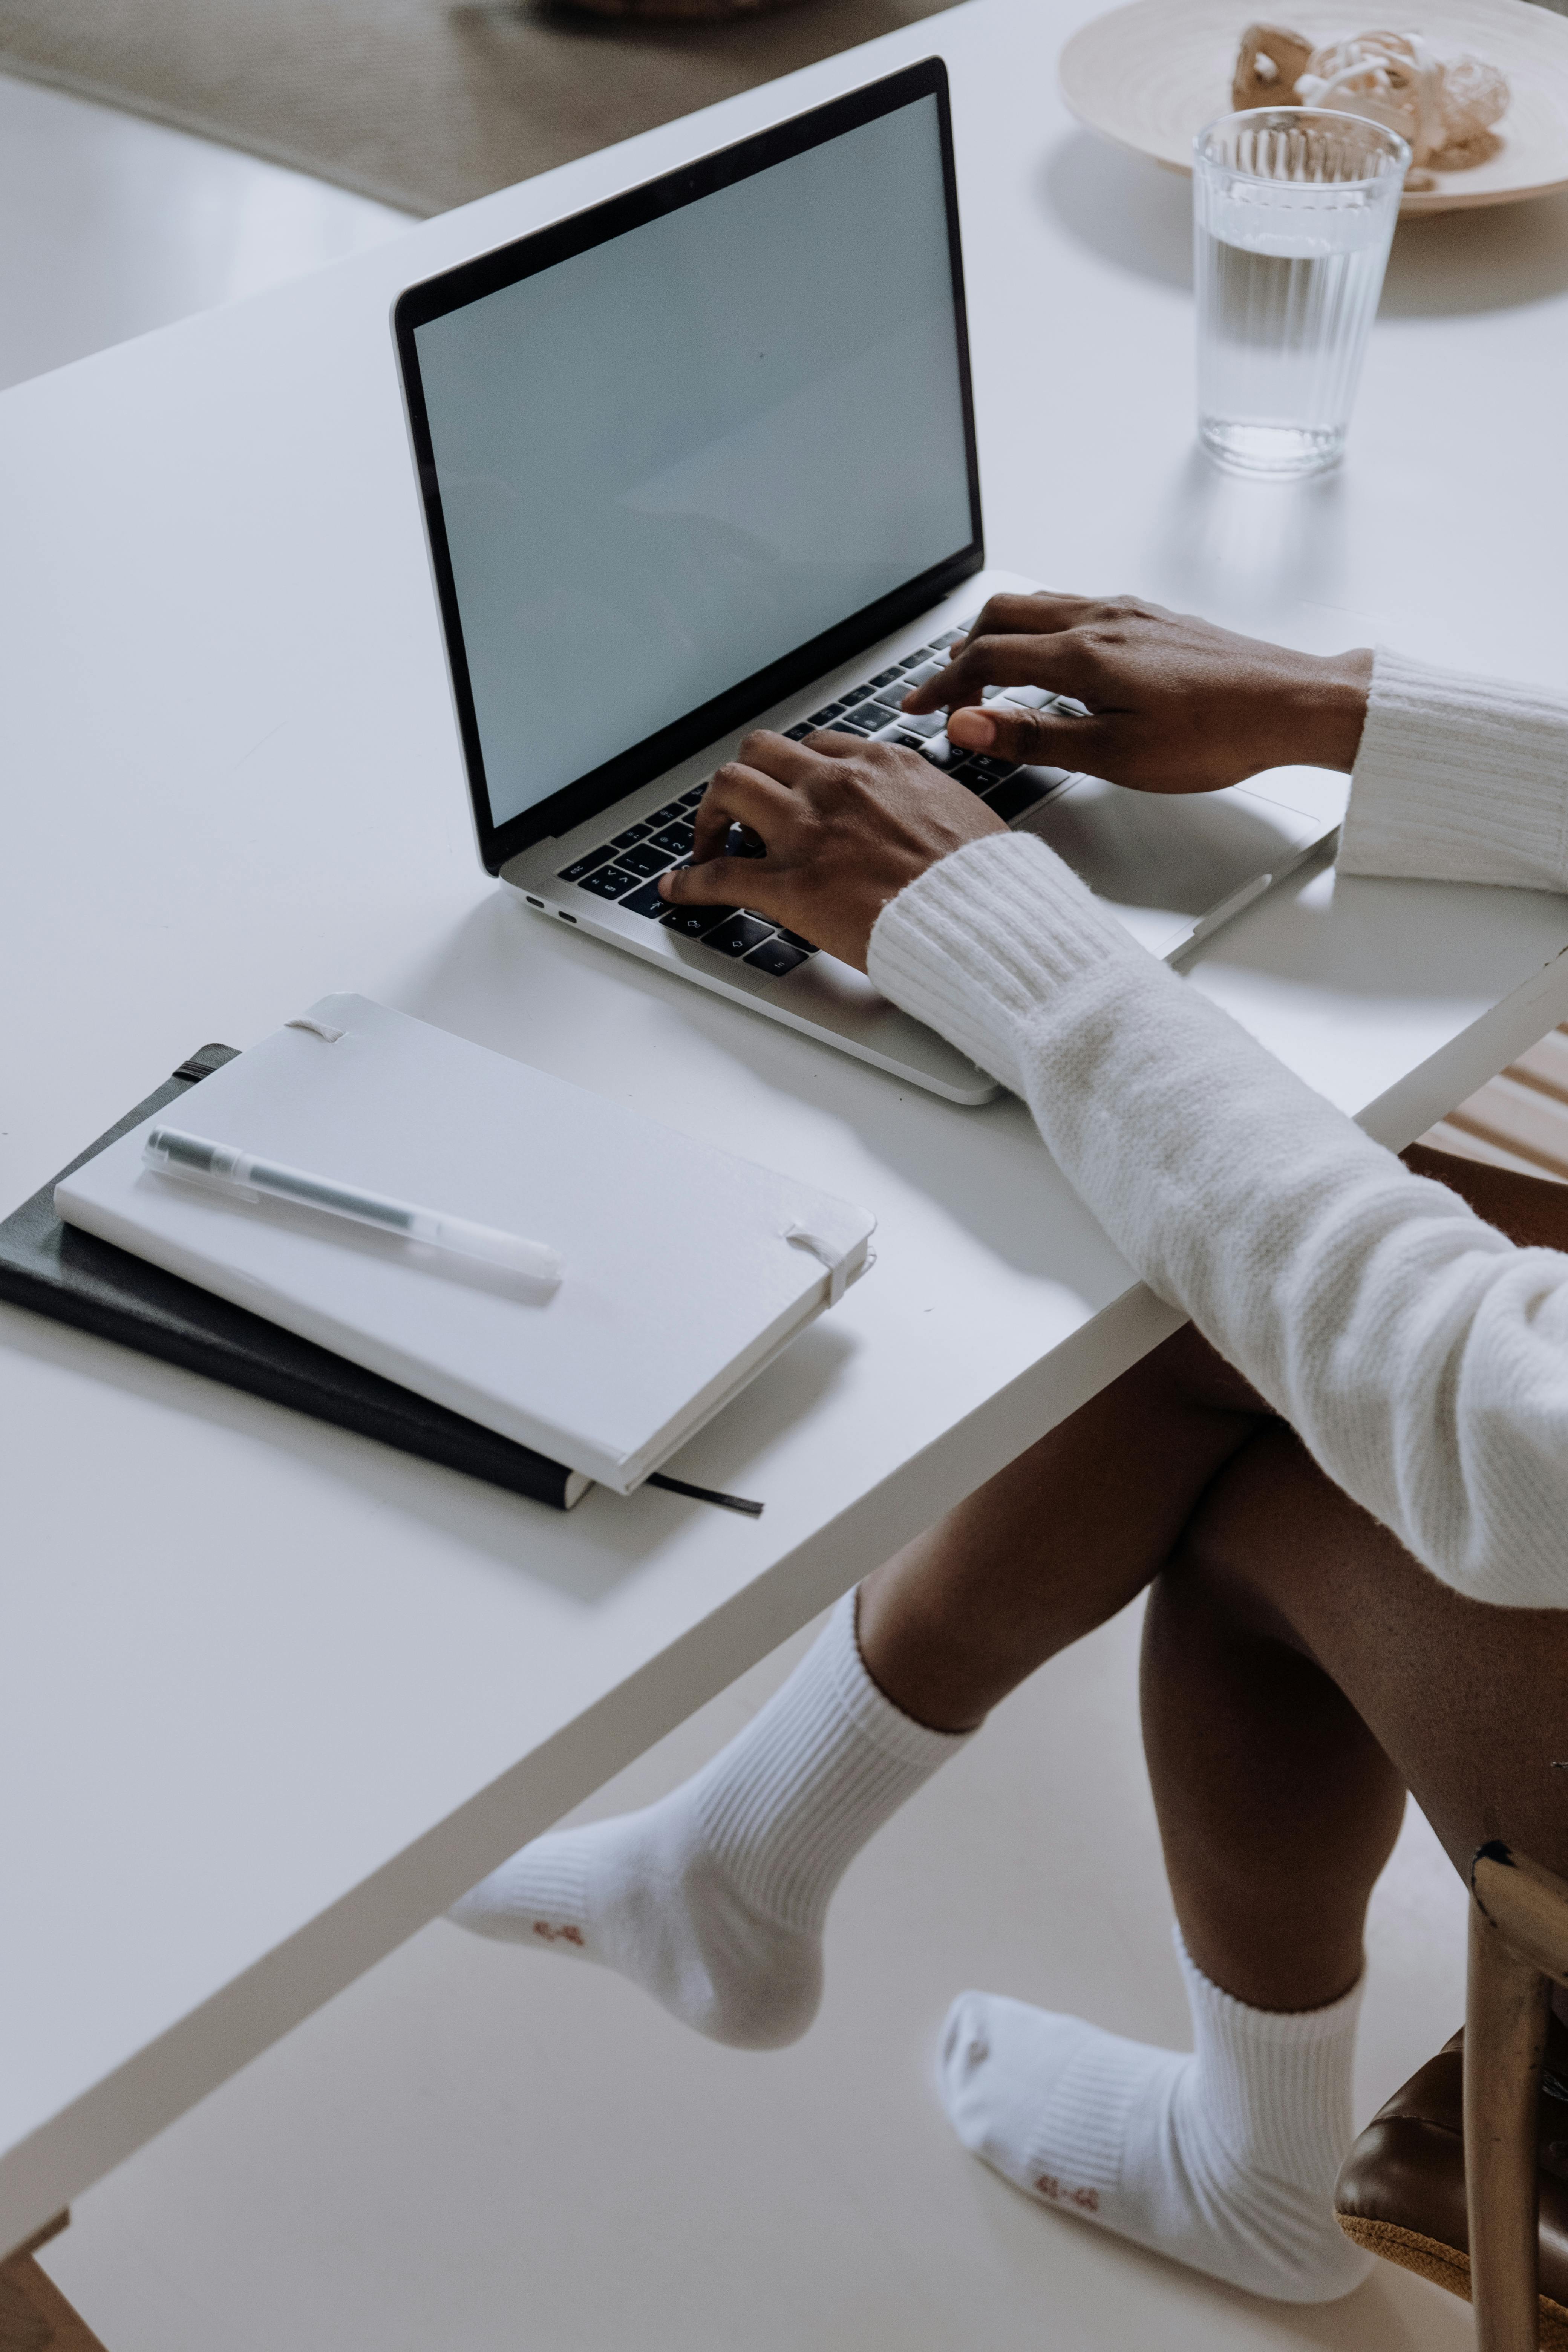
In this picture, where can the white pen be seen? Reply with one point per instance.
(174, 1153)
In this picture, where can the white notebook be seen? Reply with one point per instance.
(681, 1278)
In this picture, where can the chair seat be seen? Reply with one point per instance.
(1401, 2190)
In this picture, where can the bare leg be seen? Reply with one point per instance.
(1300, 1669)
(1058, 1542)
(1300, 1672)
(1277, 1804)
(1067, 1534)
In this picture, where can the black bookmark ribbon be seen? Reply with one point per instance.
(705, 1494)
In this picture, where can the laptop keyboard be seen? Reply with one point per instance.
(626, 868)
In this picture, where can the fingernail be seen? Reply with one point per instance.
(972, 727)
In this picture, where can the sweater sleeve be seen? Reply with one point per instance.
(1460, 780)
(1418, 1353)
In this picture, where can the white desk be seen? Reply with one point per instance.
(272, 1695)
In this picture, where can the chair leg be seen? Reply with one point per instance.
(1507, 2006)
(34, 2314)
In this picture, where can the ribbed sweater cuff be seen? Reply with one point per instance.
(1460, 780)
(985, 940)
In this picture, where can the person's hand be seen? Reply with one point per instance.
(1172, 704)
(843, 824)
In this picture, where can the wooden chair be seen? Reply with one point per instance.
(34, 2314)
(1519, 1119)
(1519, 1949)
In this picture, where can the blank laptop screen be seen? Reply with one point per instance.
(672, 459)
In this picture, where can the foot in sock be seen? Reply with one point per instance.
(1225, 2159)
(713, 1900)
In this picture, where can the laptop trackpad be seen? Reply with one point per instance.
(1163, 860)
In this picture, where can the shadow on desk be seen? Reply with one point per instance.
(625, 1533)
(1136, 215)
(985, 1167)
(1359, 936)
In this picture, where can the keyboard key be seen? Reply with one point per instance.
(610, 882)
(847, 727)
(793, 940)
(740, 934)
(941, 644)
(829, 710)
(644, 858)
(633, 833)
(963, 773)
(922, 723)
(907, 742)
(665, 815)
(694, 798)
(993, 772)
(646, 901)
(798, 734)
(923, 667)
(869, 715)
(886, 676)
(939, 752)
(580, 866)
(774, 958)
(691, 922)
(1017, 794)
(677, 839)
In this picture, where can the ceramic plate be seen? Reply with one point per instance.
(1151, 76)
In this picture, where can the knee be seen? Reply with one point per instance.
(1200, 1377)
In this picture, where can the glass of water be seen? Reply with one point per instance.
(1293, 212)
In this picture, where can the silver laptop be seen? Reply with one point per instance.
(702, 458)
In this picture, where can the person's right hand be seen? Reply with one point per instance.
(1171, 703)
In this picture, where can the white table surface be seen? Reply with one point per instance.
(273, 1695)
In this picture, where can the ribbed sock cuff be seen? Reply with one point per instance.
(789, 1803)
(1277, 2083)
(869, 1709)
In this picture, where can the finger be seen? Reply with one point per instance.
(718, 882)
(788, 759)
(739, 794)
(1035, 738)
(1041, 612)
(1056, 662)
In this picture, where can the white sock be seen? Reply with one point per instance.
(1225, 2160)
(713, 1900)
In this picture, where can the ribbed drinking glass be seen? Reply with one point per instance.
(1293, 212)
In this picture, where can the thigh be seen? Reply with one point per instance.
(1469, 1702)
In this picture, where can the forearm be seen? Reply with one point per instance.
(1422, 1358)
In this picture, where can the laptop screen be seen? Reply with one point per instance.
(661, 464)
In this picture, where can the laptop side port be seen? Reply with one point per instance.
(533, 901)
(565, 916)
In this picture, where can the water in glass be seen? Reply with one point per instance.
(1293, 212)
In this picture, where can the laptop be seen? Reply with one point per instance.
(703, 457)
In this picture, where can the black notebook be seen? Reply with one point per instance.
(58, 1270)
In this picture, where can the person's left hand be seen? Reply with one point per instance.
(844, 824)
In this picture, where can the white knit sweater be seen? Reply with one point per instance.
(1419, 1354)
